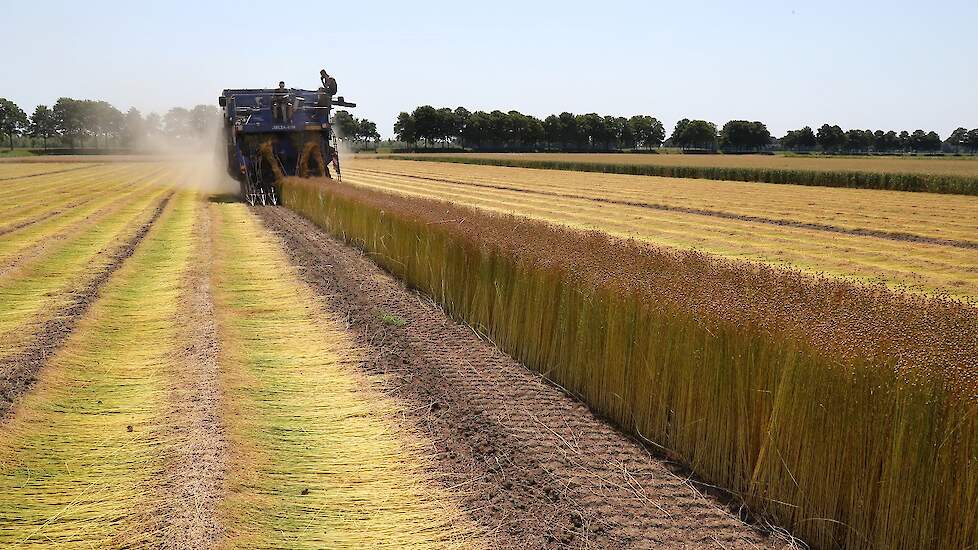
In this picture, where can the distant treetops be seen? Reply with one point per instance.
(90, 123)
(498, 130)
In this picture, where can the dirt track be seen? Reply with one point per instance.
(196, 473)
(535, 468)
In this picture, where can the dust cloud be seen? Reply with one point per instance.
(203, 159)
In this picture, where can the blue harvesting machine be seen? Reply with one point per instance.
(275, 133)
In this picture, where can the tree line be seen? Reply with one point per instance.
(516, 131)
(93, 123)
(355, 129)
(498, 130)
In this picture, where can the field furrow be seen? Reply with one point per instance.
(928, 178)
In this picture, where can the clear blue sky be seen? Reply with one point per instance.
(880, 64)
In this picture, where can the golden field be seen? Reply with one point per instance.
(955, 166)
(918, 241)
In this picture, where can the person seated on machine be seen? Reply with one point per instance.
(329, 83)
(281, 106)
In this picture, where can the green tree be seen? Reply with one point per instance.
(957, 137)
(743, 135)
(971, 140)
(133, 128)
(499, 128)
(570, 130)
(68, 119)
(446, 125)
(368, 130)
(176, 124)
(427, 123)
(695, 134)
(648, 131)
(904, 138)
(803, 139)
(593, 130)
(551, 131)
(859, 140)
(104, 120)
(535, 133)
(153, 125)
(461, 119)
(43, 124)
(612, 133)
(204, 120)
(404, 129)
(886, 141)
(924, 141)
(346, 126)
(13, 119)
(626, 135)
(517, 129)
(477, 129)
(831, 138)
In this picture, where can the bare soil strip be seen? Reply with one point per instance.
(535, 467)
(858, 232)
(18, 372)
(196, 466)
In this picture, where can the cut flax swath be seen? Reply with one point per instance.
(79, 456)
(42, 287)
(929, 183)
(845, 413)
(317, 457)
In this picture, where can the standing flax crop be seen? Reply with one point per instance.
(843, 412)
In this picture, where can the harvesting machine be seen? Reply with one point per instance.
(273, 133)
